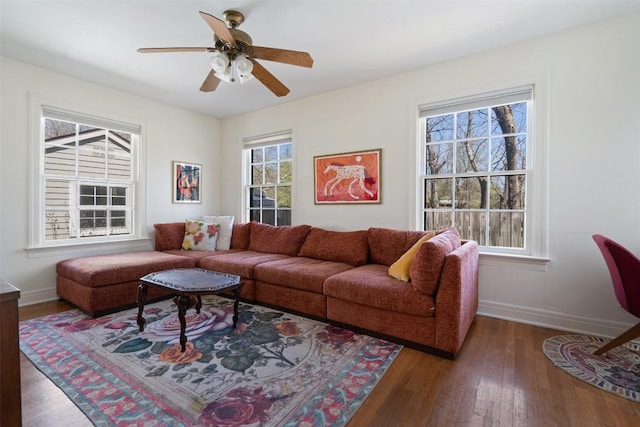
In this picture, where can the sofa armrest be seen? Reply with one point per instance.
(457, 297)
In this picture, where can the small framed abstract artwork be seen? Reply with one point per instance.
(347, 177)
(186, 182)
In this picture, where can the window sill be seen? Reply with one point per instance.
(520, 261)
(95, 248)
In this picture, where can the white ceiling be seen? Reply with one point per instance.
(351, 41)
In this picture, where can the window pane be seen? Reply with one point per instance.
(472, 225)
(254, 198)
(118, 196)
(60, 161)
(506, 229)
(257, 155)
(56, 225)
(269, 216)
(440, 128)
(469, 193)
(269, 197)
(122, 135)
(508, 153)
(508, 192)
(285, 171)
(472, 156)
(92, 164)
(270, 173)
(93, 223)
(284, 217)
(285, 151)
(57, 193)
(439, 159)
(119, 167)
(118, 223)
(56, 128)
(271, 153)
(437, 220)
(254, 215)
(284, 196)
(256, 174)
(473, 124)
(438, 192)
(507, 119)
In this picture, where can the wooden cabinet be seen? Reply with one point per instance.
(10, 398)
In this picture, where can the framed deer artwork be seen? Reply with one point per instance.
(347, 177)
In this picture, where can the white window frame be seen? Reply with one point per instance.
(64, 110)
(275, 138)
(534, 255)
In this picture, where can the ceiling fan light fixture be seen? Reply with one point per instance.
(219, 62)
(244, 67)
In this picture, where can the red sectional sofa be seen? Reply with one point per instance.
(338, 276)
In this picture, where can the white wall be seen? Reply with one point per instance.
(592, 97)
(169, 134)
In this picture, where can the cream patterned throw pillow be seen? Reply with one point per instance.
(225, 223)
(200, 236)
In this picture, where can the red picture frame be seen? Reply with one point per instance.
(348, 178)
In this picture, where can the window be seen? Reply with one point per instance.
(88, 178)
(475, 169)
(268, 178)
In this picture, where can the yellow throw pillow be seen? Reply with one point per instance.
(402, 267)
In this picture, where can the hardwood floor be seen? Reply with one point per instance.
(501, 377)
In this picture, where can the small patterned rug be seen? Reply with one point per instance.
(617, 371)
(275, 369)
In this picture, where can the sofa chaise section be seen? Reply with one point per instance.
(106, 283)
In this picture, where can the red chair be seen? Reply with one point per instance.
(624, 268)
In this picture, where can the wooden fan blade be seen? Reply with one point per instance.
(268, 79)
(174, 49)
(220, 28)
(292, 57)
(210, 83)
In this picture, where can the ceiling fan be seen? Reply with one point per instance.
(235, 57)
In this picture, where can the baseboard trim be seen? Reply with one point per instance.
(551, 319)
(36, 297)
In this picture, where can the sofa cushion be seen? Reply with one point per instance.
(240, 263)
(350, 247)
(103, 270)
(198, 255)
(299, 272)
(169, 236)
(241, 235)
(387, 245)
(200, 236)
(428, 262)
(277, 240)
(225, 225)
(370, 285)
(401, 269)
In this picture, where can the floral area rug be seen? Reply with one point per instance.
(275, 369)
(617, 371)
